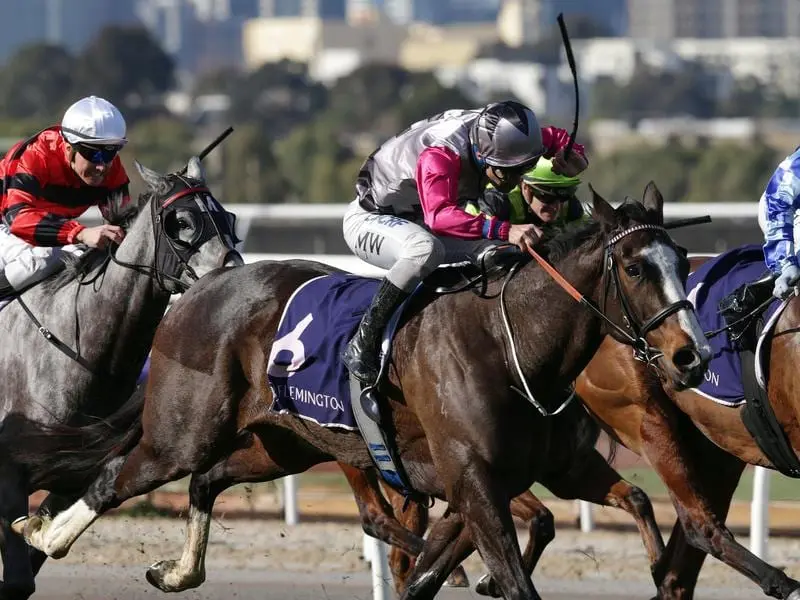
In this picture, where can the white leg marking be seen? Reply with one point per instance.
(66, 527)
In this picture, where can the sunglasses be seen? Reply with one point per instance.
(98, 155)
(553, 195)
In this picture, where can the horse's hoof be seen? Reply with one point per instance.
(18, 525)
(487, 587)
(457, 579)
(166, 577)
(28, 528)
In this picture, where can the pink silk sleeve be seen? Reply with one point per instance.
(438, 170)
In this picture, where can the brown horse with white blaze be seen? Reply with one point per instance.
(463, 434)
(698, 448)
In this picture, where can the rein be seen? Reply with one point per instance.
(151, 271)
(642, 350)
(527, 394)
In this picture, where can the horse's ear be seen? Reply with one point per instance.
(153, 179)
(602, 210)
(653, 201)
(195, 169)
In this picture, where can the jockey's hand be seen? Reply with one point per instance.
(100, 236)
(525, 236)
(786, 281)
(569, 168)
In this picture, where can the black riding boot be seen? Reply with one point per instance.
(361, 354)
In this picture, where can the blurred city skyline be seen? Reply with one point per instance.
(202, 33)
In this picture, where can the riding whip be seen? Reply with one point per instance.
(571, 61)
(208, 149)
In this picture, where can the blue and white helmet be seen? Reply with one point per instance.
(94, 121)
(506, 134)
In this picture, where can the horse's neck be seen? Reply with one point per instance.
(117, 313)
(129, 304)
(551, 329)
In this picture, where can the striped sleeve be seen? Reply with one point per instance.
(782, 201)
(37, 226)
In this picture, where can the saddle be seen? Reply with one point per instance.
(742, 308)
(476, 272)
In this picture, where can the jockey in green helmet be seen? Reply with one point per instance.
(543, 198)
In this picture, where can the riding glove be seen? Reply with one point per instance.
(786, 281)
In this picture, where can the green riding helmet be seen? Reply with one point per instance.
(543, 178)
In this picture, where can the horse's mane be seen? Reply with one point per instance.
(557, 245)
(118, 213)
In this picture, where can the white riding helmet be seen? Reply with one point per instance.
(94, 121)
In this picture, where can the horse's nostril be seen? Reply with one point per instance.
(686, 358)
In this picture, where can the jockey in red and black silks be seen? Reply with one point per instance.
(51, 179)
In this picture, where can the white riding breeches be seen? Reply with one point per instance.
(407, 249)
(24, 264)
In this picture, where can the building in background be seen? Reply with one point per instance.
(200, 35)
(61, 22)
(520, 23)
(668, 19)
(362, 11)
(610, 16)
(323, 9)
(439, 12)
(307, 39)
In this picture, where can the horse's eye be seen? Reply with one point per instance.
(634, 270)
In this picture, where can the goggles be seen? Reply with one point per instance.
(553, 195)
(98, 155)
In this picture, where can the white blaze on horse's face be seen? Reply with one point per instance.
(664, 258)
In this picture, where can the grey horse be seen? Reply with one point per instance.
(73, 346)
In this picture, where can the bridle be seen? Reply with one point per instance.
(632, 332)
(175, 258)
(169, 262)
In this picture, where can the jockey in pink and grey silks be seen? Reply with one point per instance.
(409, 213)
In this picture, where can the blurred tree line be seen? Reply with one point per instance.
(720, 172)
(299, 140)
(694, 89)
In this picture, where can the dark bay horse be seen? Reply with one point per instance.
(574, 473)
(668, 428)
(463, 434)
(102, 311)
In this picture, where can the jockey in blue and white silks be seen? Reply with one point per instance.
(779, 219)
